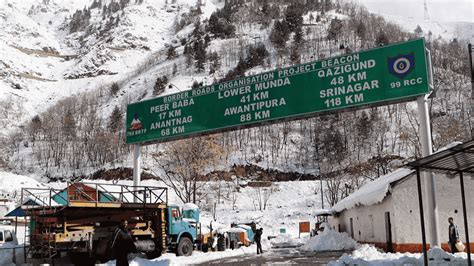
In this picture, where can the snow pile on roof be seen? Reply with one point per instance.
(330, 240)
(285, 240)
(190, 206)
(236, 230)
(372, 192)
(369, 255)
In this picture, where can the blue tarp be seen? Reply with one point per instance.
(19, 212)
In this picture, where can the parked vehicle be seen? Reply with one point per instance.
(7, 238)
(81, 219)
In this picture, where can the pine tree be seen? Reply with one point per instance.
(160, 85)
(295, 55)
(418, 31)
(115, 120)
(335, 29)
(280, 33)
(175, 69)
(381, 39)
(171, 53)
(361, 30)
(114, 88)
(69, 125)
(294, 16)
(199, 55)
(215, 62)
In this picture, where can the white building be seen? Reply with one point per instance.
(385, 211)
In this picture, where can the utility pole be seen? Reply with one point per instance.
(471, 50)
(427, 16)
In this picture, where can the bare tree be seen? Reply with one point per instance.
(185, 161)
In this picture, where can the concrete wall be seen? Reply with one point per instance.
(368, 222)
(404, 215)
(448, 194)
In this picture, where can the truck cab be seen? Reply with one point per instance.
(182, 228)
(7, 238)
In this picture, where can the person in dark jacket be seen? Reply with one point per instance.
(122, 244)
(453, 235)
(258, 238)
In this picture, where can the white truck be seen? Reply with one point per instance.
(10, 251)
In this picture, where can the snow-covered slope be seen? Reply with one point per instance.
(446, 18)
(42, 62)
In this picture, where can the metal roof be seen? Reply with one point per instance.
(459, 158)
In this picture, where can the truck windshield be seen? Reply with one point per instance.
(8, 236)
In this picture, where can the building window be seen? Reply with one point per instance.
(371, 224)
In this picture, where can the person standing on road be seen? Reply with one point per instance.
(453, 235)
(258, 238)
(122, 244)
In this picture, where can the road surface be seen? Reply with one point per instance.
(280, 256)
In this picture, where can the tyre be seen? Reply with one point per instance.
(185, 247)
(81, 259)
(153, 254)
(221, 243)
(233, 244)
(205, 248)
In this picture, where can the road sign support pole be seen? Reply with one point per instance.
(136, 166)
(471, 50)
(430, 187)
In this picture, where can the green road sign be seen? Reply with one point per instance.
(389, 74)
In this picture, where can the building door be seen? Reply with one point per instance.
(388, 232)
(351, 225)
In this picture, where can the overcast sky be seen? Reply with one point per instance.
(438, 10)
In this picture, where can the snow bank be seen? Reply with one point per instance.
(372, 192)
(285, 240)
(368, 255)
(330, 240)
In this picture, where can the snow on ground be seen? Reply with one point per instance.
(329, 240)
(286, 240)
(11, 183)
(368, 255)
(197, 257)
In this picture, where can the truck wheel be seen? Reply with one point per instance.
(185, 247)
(81, 258)
(221, 243)
(233, 244)
(153, 254)
(205, 248)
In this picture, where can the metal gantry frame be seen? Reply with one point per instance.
(453, 161)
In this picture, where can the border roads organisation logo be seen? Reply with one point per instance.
(401, 65)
